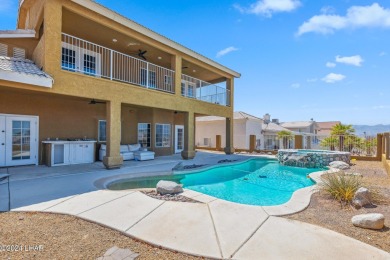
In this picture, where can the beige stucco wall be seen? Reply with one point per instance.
(47, 53)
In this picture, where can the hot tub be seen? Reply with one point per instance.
(311, 158)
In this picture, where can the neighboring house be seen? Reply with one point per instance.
(269, 137)
(74, 69)
(307, 127)
(325, 128)
(308, 130)
(245, 125)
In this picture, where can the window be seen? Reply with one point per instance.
(144, 134)
(168, 81)
(102, 131)
(19, 53)
(152, 78)
(89, 64)
(3, 49)
(75, 58)
(68, 59)
(163, 135)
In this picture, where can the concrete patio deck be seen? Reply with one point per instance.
(214, 228)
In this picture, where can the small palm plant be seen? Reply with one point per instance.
(342, 131)
(340, 186)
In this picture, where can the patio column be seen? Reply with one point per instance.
(229, 149)
(176, 65)
(189, 136)
(113, 158)
(230, 94)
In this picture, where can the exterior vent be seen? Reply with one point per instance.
(3, 49)
(19, 53)
(206, 141)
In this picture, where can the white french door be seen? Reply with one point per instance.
(18, 140)
(188, 89)
(179, 138)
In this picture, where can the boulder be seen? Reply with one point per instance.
(369, 221)
(168, 187)
(361, 198)
(339, 165)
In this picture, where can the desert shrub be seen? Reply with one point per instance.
(340, 186)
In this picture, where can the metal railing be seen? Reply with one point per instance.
(195, 88)
(92, 59)
(356, 145)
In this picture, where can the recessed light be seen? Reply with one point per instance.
(159, 57)
(194, 71)
(114, 40)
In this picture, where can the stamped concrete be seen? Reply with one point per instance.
(213, 228)
(86, 201)
(280, 238)
(235, 223)
(124, 212)
(187, 229)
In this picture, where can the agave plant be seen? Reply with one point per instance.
(340, 186)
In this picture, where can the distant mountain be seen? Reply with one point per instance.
(371, 130)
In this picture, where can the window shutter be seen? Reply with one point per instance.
(3, 49)
(19, 53)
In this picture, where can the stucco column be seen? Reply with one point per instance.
(230, 94)
(113, 158)
(176, 65)
(189, 136)
(229, 149)
(52, 34)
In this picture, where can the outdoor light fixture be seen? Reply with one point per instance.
(114, 40)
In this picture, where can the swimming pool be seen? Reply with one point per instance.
(261, 182)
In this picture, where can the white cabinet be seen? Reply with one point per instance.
(69, 152)
(82, 153)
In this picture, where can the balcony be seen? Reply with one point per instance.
(81, 56)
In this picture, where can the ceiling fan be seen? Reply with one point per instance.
(94, 102)
(141, 54)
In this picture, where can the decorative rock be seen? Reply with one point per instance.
(361, 198)
(339, 165)
(369, 221)
(168, 187)
(354, 174)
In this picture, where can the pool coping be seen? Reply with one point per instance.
(299, 201)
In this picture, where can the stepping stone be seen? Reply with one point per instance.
(116, 253)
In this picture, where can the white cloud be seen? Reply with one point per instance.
(226, 51)
(295, 85)
(382, 53)
(380, 107)
(268, 7)
(333, 78)
(352, 60)
(330, 64)
(312, 80)
(356, 17)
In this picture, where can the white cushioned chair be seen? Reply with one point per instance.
(126, 150)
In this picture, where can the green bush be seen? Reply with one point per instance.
(340, 186)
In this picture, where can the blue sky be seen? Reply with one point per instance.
(299, 59)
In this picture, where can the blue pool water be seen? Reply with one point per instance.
(260, 182)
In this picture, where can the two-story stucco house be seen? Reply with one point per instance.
(74, 69)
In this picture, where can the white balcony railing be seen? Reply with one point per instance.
(202, 90)
(91, 59)
(94, 60)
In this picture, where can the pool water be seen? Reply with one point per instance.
(261, 182)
